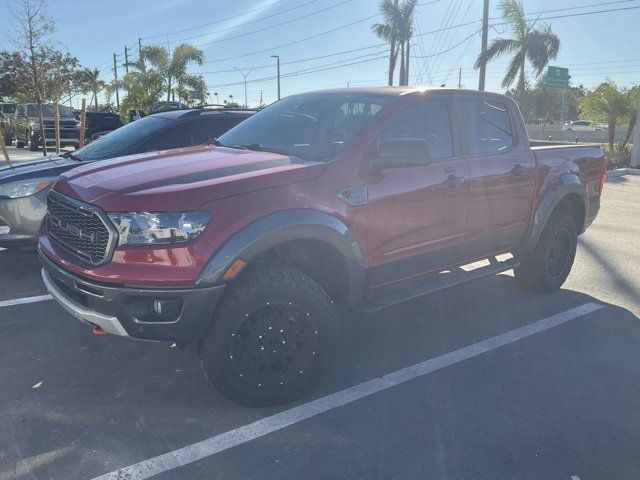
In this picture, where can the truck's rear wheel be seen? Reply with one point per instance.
(547, 266)
(269, 340)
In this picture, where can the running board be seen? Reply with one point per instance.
(386, 296)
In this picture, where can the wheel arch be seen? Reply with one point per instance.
(308, 239)
(568, 194)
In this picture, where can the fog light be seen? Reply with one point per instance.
(5, 229)
(167, 308)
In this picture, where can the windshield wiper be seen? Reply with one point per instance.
(257, 147)
(217, 143)
(72, 156)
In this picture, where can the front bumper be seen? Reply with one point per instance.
(125, 310)
(22, 218)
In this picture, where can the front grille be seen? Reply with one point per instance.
(79, 228)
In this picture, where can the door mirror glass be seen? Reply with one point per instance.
(401, 153)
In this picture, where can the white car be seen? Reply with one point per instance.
(584, 126)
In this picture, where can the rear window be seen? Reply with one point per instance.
(487, 126)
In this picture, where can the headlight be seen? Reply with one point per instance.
(24, 189)
(144, 228)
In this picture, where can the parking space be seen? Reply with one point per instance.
(554, 398)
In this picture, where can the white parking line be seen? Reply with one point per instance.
(265, 426)
(21, 301)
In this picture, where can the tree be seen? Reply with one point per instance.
(32, 27)
(538, 45)
(632, 114)
(192, 90)
(172, 66)
(89, 82)
(397, 30)
(610, 104)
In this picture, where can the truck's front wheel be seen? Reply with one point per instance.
(269, 340)
(547, 266)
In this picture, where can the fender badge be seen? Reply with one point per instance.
(353, 196)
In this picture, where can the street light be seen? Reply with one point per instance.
(245, 75)
(278, 67)
(217, 99)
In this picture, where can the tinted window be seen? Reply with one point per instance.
(487, 126)
(195, 131)
(8, 109)
(313, 126)
(427, 120)
(49, 111)
(121, 141)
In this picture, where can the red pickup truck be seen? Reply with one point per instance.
(362, 197)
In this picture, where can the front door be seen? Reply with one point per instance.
(415, 213)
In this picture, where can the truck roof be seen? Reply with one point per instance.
(398, 91)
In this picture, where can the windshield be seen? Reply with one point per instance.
(49, 111)
(312, 126)
(120, 141)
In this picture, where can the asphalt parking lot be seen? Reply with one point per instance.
(23, 154)
(479, 382)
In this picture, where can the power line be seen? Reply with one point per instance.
(229, 18)
(269, 27)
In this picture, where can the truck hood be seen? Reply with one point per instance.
(181, 178)
(46, 167)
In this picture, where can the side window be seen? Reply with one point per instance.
(427, 120)
(350, 119)
(487, 126)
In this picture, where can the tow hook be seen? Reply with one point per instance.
(98, 331)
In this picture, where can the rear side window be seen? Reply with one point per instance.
(487, 126)
(427, 120)
(195, 131)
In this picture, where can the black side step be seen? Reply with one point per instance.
(382, 297)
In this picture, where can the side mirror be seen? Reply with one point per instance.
(401, 153)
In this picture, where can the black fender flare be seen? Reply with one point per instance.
(567, 184)
(280, 227)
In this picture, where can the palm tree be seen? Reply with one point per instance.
(538, 45)
(172, 66)
(397, 30)
(608, 103)
(90, 83)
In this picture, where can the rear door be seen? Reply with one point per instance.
(416, 213)
(501, 173)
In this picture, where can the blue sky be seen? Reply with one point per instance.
(593, 46)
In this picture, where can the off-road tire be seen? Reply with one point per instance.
(259, 300)
(19, 144)
(8, 141)
(546, 267)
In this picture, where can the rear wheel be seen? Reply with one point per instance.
(270, 338)
(7, 141)
(547, 266)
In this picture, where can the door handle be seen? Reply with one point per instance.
(519, 169)
(453, 182)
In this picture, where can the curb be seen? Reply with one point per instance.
(623, 171)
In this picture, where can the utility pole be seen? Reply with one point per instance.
(115, 74)
(460, 78)
(245, 75)
(278, 72)
(635, 153)
(126, 60)
(485, 39)
(144, 68)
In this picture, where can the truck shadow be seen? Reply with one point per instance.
(124, 399)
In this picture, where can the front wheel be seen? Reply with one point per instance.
(547, 266)
(270, 339)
